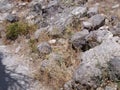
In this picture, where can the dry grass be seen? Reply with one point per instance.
(54, 75)
(58, 71)
(44, 37)
(118, 13)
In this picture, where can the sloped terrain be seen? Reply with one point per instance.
(59, 44)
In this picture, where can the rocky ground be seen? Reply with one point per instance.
(59, 45)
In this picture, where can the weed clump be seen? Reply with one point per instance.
(13, 30)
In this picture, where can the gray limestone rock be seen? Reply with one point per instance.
(92, 11)
(114, 68)
(94, 22)
(12, 18)
(78, 39)
(89, 72)
(79, 12)
(44, 48)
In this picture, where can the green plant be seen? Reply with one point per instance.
(15, 29)
(12, 31)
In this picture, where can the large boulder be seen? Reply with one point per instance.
(15, 72)
(91, 70)
(85, 40)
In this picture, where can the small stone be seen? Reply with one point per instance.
(30, 17)
(62, 41)
(37, 8)
(107, 21)
(17, 49)
(53, 3)
(14, 12)
(116, 6)
(12, 18)
(92, 11)
(53, 41)
(87, 25)
(44, 48)
(78, 39)
(96, 21)
(79, 11)
(22, 4)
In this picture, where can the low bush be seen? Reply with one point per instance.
(13, 30)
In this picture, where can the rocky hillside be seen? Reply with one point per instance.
(59, 45)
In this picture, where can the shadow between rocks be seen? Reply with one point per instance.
(10, 80)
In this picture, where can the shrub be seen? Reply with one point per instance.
(18, 28)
